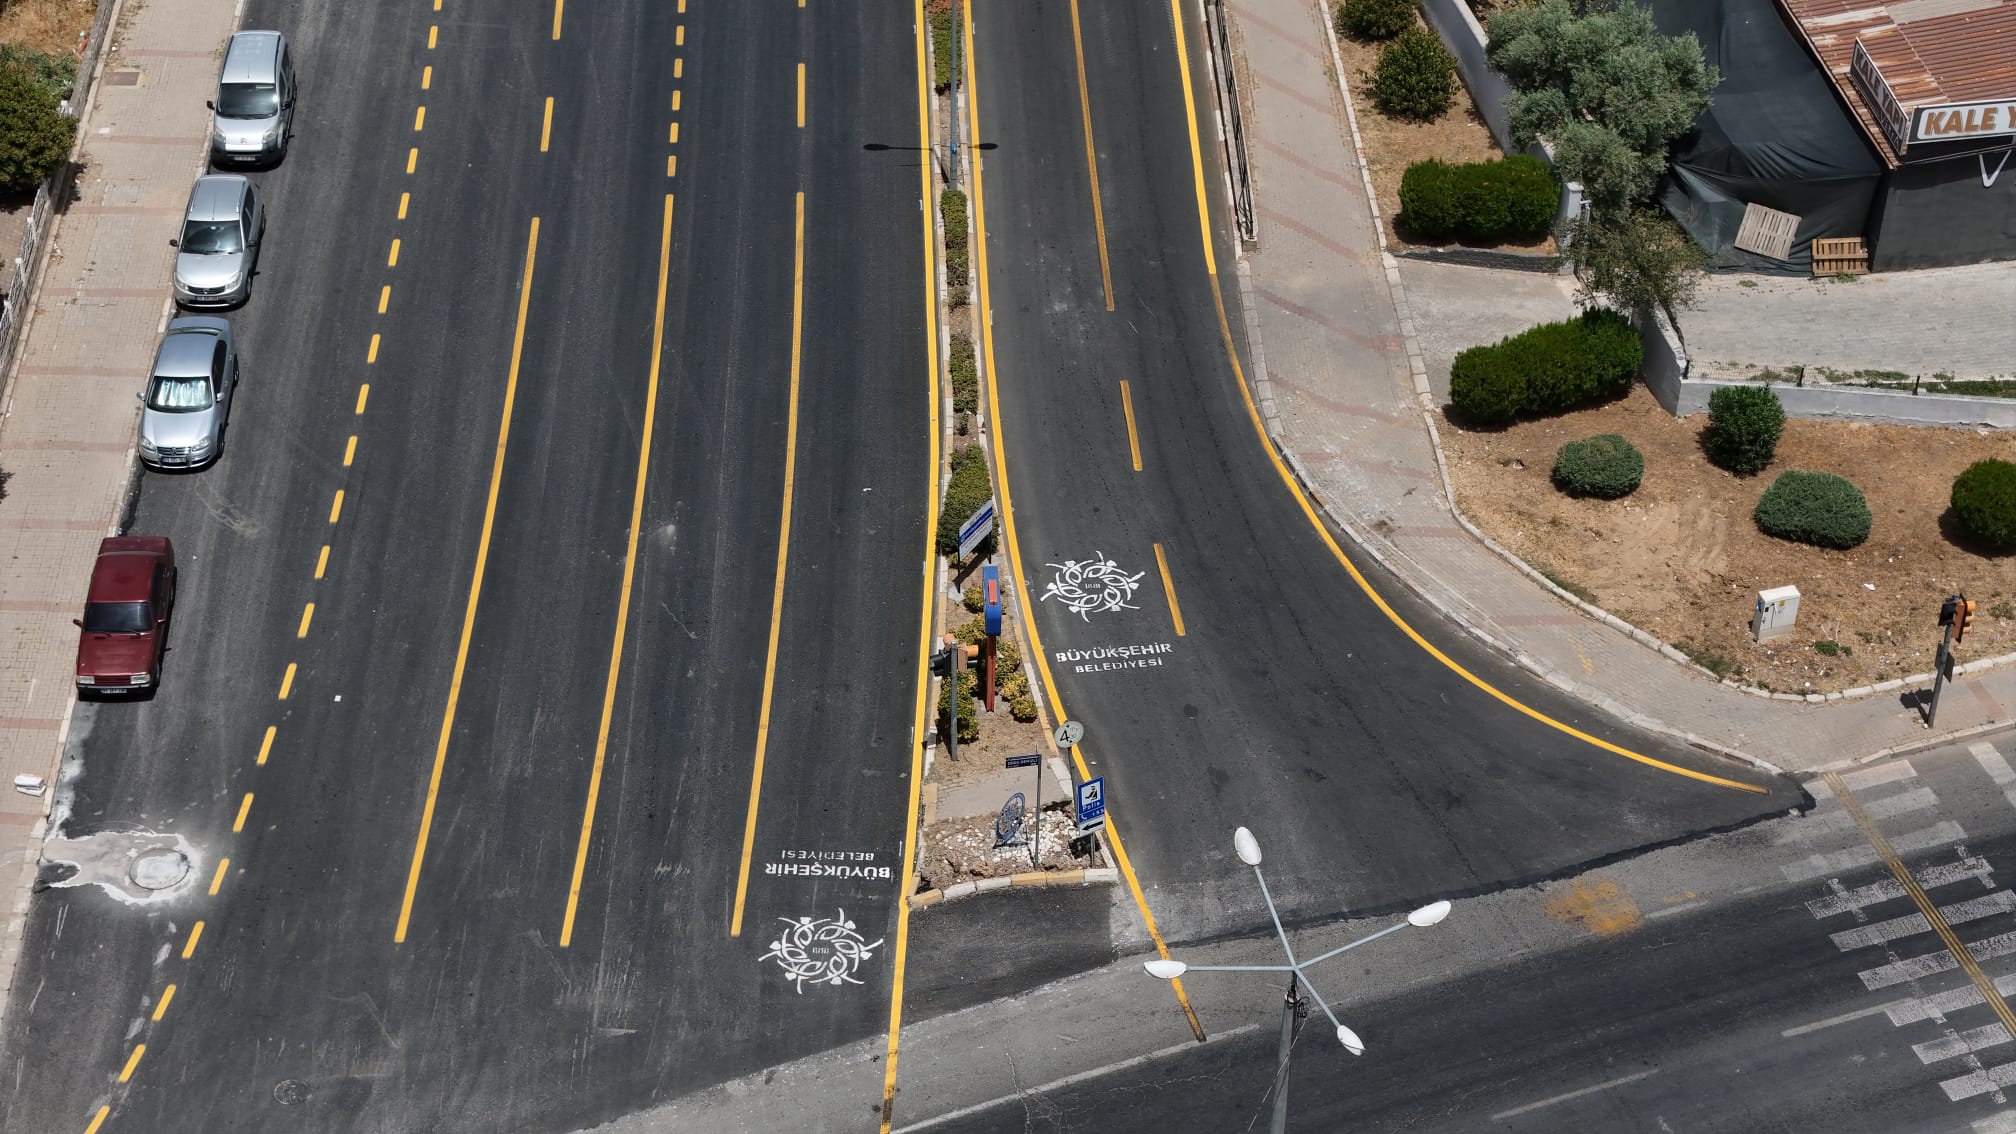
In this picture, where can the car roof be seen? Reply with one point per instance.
(217, 196)
(185, 353)
(251, 57)
(122, 576)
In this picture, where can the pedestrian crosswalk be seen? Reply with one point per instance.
(1932, 969)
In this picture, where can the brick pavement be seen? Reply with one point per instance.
(69, 413)
(1346, 390)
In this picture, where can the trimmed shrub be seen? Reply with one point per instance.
(1744, 424)
(1015, 685)
(1415, 77)
(965, 375)
(1374, 19)
(973, 599)
(969, 713)
(942, 32)
(1814, 507)
(969, 489)
(1546, 369)
(1485, 387)
(1482, 202)
(57, 73)
(1605, 466)
(34, 133)
(952, 206)
(1984, 501)
(1022, 708)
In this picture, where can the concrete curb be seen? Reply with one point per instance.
(1096, 875)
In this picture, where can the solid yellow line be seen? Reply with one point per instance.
(307, 613)
(1008, 517)
(404, 200)
(777, 588)
(1169, 588)
(1092, 165)
(244, 809)
(925, 619)
(98, 1120)
(546, 127)
(350, 450)
(161, 1009)
(1127, 409)
(217, 879)
(392, 259)
(336, 506)
(287, 681)
(384, 298)
(195, 935)
(419, 118)
(558, 6)
(1309, 510)
(1961, 954)
(475, 590)
(426, 78)
(801, 96)
(629, 573)
(266, 746)
(322, 561)
(363, 395)
(132, 1061)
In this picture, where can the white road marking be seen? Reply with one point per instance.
(1974, 909)
(1855, 858)
(1940, 1005)
(1844, 1018)
(1831, 822)
(1980, 1082)
(2003, 1123)
(1948, 1047)
(1932, 877)
(1866, 778)
(1517, 1110)
(1918, 968)
(1998, 769)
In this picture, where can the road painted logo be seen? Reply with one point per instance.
(1092, 586)
(1094, 659)
(820, 950)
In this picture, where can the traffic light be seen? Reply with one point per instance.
(947, 661)
(1965, 622)
(1947, 609)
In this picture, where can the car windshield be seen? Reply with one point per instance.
(178, 395)
(117, 618)
(248, 100)
(206, 236)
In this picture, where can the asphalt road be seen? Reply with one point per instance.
(300, 1001)
(1269, 690)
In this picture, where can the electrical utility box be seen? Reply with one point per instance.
(1777, 612)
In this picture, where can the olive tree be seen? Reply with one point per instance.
(35, 134)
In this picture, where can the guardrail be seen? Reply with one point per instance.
(1225, 85)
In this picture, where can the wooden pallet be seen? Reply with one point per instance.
(1843, 255)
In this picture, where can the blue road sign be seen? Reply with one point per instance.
(990, 591)
(976, 529)
(1028, 761)
(1092, 802)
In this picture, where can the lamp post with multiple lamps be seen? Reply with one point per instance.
(1249, 853)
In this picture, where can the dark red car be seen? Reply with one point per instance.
(125, 623)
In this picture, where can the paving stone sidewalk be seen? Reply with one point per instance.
(68, 414)
(1346, 389)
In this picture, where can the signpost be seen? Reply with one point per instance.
(1068, 734)
(1956, 614)
(976, 529)
(1091, 803)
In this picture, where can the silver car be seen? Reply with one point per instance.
(253, 113)
(219, 245)
(188, 398)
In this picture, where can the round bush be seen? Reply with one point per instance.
(34, 133)
(1374, 19)
(1984, 501)
(1022, 708)
(1744, 424)
(1515, 196)
(1812, 507)
(1414, 78)
(1432, 202)
(1487, 386)
(969, 713)
(1605, 466)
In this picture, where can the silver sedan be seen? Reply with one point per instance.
(188, 398)
(219, 246)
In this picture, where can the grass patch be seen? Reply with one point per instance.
(1708, 658)
(2001, 610)
(1569, 585)
(1828, 647)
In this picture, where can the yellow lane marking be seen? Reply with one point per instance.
(404, 200)
(777, 588)
(546, 127)
(161, 1009)
(1092, 165)
(1309, 509)
(801, 96)
(1127, 409)
(427, 78)
(336, 506)
(217, 879)
(475, 590)
(132, 1061)
(322, 561)
(287, 682)
(419, 118)
(678, 68)
(363, 394)
(558, 7)
(679, 36)
(674, 138)
(307, 613)
(671, 165)
(1007, 510)
(244, 809)
(412, 159)
(629, 573)
(384, 298)
(675, 98)
(922, 676)
(98, 1120)
(265, 747)
(195, 935)
(433, 35)
(392, 259)
(1961, 954)
(1169, 588)
(371, 356)
(350, 450)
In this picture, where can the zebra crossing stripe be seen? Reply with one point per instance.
(1819, 826)
(1862, 936)
(1890, 889)
(1980, 1082)
(1998, 769)
(1865, 778)
(1973, 1039)
(1918, 968)
(2003, 1122)
(1940, 1005)
(1814, 866)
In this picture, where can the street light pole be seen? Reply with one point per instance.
(1168, 968)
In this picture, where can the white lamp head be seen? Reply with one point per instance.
(1167, 970)
(1429, 914)
(1247, 846)
(1350, 1040)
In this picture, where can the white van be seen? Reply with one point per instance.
(254, 110)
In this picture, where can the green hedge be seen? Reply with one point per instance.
(969, 489)
(1374, 19)
(1480, 202)
(1744, 424)
(969, 713)
(1812, 507)
(1415, 77)
(1605, 466)
(1984, 501)
(941, 46)
(965, 375)
(952, 206)
(1546, 369)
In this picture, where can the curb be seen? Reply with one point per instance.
(925, 899)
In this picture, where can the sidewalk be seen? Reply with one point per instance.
(1344, 382)
(68, 415)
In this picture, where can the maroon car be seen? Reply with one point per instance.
(125, 623)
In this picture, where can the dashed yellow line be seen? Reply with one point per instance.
(132, 1061)
(98, 1120)
(217, 879)
(322, 561)
(419, 118)
(336, 506)
(391, 261)
(433, 36)
(244, 809)
(678, 68)
(801, 96)
(558, 7)
(412, 159)
(1127, 411)
(364, 392)
(546, 126)
(161, 1009)
(195, 935)
(427, 78)
(404, 200)
(1169, 588)
(350, 450)
(307, 613)
(266, 742)
(384, 298)
(287, 682)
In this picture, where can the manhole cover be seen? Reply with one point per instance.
(291, 1092)
(158, 869)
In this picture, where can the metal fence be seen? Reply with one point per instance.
(1226, 86)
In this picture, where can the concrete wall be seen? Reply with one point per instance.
(1665, 366)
